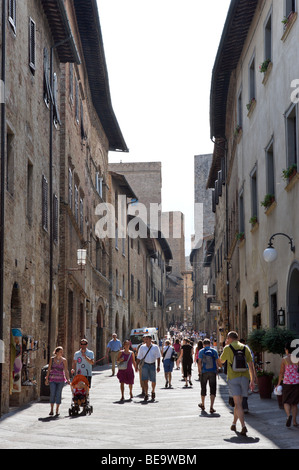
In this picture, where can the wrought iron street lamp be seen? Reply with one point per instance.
(270, 254)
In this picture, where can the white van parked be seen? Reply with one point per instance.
(136, 336)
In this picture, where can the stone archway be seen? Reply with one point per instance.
(293, 298)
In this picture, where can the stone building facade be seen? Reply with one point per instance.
(31, 193)
(202, 252)
(257, 134)
(59, 127)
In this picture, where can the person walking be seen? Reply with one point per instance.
(57, 376)
(289, 378)
(126, 375)
(187, 359)
(83, 361)
(113, 347)
(238, 375)
(168, 362)
(208, 362)
(198, 348)
(177, 348)
(148, 354)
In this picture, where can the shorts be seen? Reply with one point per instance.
(205, 378)
(168, 365)
(149, 372)
(238, 386)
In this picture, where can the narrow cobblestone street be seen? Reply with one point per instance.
(173, 422)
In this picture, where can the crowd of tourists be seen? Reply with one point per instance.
(188, 351)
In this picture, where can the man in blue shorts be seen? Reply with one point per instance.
(148, 354)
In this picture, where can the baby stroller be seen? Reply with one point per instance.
(80, 396)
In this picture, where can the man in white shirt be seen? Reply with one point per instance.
(149, 353)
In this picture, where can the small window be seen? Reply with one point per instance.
(71, 85)
(270, 169)
(55, 218)
(254, 196)
(32, 45)
(45, 203)
(29, 202)
(43, 312)
(291, 136)
(290, 7)
(252, 87)
(241, 212)
(239, 111)
(12, 14)
(77, 100)
(268, 39)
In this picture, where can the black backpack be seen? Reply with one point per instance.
(239, 362)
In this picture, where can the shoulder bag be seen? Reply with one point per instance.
(124, 364)
(142, 360)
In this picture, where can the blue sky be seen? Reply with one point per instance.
(160, 55)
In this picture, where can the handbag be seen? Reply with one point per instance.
(174, 356)
(124, 364)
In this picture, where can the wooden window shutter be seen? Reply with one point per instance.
(48, 97)
(76, 204)
(56, 116)
(81, 215)
(70, 188)
(44, 203)
(12, 14)
(32, 44)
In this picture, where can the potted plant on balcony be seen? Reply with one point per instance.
(268, 200)
(264, 66)
(240, 236)
(290, 172)
(250, 104)
(253, 220)
(238, 130)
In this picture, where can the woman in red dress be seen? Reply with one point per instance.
(126, 376)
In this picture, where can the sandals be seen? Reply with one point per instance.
(242, 433)
(288, 422)
(201, 406)
(212, 410)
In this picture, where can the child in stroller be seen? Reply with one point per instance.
(80, 396)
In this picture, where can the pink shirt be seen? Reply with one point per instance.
(291, 375)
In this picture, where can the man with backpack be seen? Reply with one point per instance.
(208, 362)
(240, 371)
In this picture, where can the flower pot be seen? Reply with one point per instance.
(265, 385)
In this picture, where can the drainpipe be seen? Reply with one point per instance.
(2, 184)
